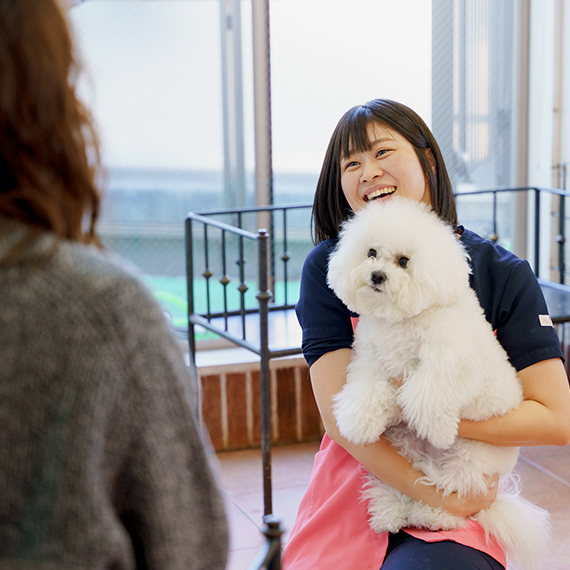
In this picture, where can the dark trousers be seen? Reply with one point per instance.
(408, 553)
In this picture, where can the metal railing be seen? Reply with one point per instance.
(214, 233)
(269, 555)
(270, 247)
(558, 213)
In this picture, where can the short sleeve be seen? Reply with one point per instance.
(513, 303)
(324, 319)
(521, 330)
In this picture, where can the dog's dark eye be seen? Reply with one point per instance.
(371, 253)
(403, 262)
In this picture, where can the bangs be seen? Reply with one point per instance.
(353, 133)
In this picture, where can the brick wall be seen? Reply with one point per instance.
(231, 404)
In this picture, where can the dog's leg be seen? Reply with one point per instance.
(424, 516)
(433, 395)
(367, 402)
(388, 508)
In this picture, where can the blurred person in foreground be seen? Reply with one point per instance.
(101, 458)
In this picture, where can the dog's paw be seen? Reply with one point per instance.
(442, 436)
(387, 508)
(438, 428)
(432, 518)
(360, 417)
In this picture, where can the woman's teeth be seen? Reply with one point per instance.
(379, 193)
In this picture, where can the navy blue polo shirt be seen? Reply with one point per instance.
(505, 285)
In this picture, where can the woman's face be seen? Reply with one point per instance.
(389, 168)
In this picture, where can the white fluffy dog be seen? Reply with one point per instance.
(406, 274)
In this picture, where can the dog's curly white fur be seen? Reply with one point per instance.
(405, 273)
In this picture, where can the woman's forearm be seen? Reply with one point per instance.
(531, 424)
(543, 418)
(385, 462)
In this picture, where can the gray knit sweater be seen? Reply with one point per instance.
(101, 462)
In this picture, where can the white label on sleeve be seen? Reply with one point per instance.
(545, 321)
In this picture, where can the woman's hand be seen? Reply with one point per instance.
(397, 381)
(469, 505)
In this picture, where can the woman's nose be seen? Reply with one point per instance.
(371, 170)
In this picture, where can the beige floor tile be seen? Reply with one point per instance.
(542, 489)
(554, 459)
(241, 559)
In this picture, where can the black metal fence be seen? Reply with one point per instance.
(245, 264)
(499, 222)
(234, 314)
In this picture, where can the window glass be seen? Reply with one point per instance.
(154, 82)
(171, 110)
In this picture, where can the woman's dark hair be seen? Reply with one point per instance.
(330, 207)
(49, 158)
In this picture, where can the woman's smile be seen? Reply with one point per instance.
(388, 167)
(380, 192)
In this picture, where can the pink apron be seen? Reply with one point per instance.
(332, 521)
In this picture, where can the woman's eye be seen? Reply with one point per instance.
(403, 262)
(350, 164)
(371, 253)
(382, 152)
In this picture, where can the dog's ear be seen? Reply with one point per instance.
(438, 268)
(458, 278)
(442, 276)
(340, 266)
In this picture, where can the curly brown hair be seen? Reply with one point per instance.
(49, 152)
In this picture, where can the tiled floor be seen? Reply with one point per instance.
(545, 474)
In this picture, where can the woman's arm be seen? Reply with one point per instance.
(328, 376)
(543, 418)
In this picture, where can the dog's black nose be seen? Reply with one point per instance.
(378, 277)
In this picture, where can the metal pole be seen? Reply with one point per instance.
(262, 122)
(190, 311)
(190, 290)
(232, 102)
(262, 105)
(521, 128)
(263, 296)
(537, 232)
(263, 197)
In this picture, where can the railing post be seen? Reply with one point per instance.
(263, 296)
(561, 238)
(269, 556)
(189, 311)
(285, 259)
(273, 532)
(190, 290)
(562, 224)
(495, 236)
(536, 231)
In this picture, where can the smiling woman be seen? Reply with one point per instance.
(384, 149)
(380, 147)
